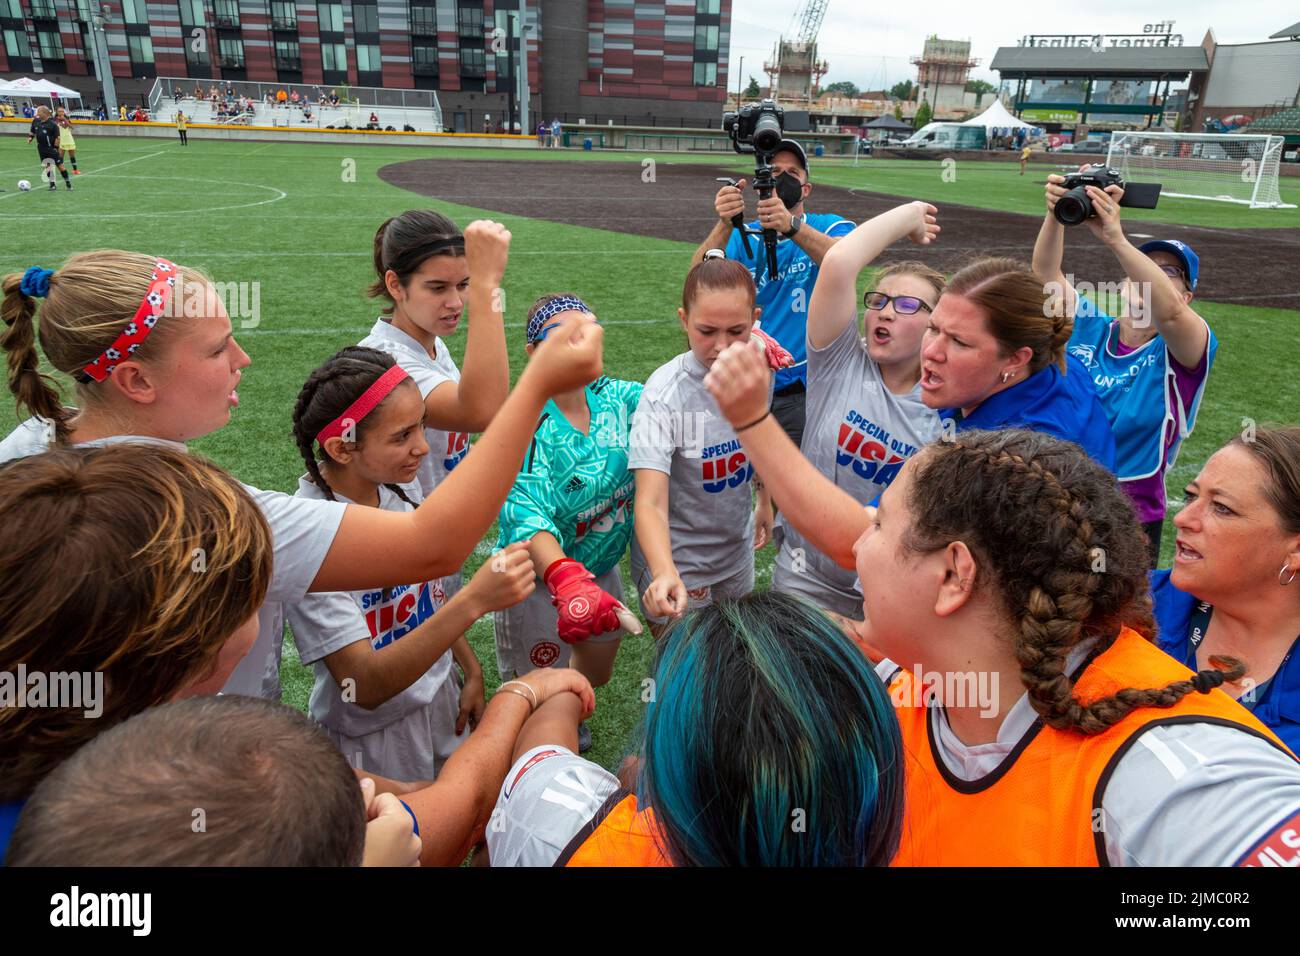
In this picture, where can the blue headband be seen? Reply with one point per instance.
(537, 327)
(36, 282)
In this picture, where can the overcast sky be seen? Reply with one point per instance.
(871, 43)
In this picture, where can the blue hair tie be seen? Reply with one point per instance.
(564, 303)
(36, 282)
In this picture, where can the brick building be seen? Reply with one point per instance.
(635, 61)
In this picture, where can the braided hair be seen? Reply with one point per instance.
(327, 394)
(1066, 555)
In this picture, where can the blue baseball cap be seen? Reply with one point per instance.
(1191, 261)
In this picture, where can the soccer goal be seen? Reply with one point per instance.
(1226, 167)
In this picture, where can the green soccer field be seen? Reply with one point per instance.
(295, 222)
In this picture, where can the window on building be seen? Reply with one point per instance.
(141, 49)
(331, 18)
(134, 11)
(50, 43)
(284, 14)
(469, 21)
(16, 44)
(706, 74)
(334, 57)
(368, 59)
(472, 62)
(230, 52)
(287, 55)
(424, 58)
(225, 12)
(424, 20)
(708, 6)
(192, 14)
(706, 37)
(43, 10)
(13, 9)
(365, 17)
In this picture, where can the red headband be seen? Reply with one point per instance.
(364, 405)
(152, 306)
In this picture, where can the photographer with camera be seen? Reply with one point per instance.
(803, 239)
(1150, 363)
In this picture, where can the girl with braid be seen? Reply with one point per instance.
(386, 690)
(152, 352)
(1004, 581)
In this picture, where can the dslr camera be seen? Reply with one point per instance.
(755, 128)
(1075, 206)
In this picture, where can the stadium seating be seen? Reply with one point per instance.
(1283, 121)
(357, 117)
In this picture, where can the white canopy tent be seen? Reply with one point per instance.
(997, 117)
(38, 89)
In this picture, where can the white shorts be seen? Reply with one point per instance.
(729, 588)
(527, 634)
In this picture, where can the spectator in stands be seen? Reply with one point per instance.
(198, 91)
(28, 112)
(293, 97)
(213, 94)
(334, 98)
(374, 119)
(281, 97)
(230, 91)
(555, 132)
(177, 93)
(541, 134)
(306, 112)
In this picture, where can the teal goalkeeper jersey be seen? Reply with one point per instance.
(578, 487)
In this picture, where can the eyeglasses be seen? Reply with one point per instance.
(903, 304)
(1174, 273)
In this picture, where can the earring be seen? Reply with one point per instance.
(1005, 377)
(1282, 572)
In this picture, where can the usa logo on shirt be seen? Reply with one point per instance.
(457, 447)
(406, 608)
(867, 448)
(724, 466)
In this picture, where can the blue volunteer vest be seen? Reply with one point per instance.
(1136, 390)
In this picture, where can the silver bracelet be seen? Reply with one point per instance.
(531, 693)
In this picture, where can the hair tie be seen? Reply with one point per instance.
(1206, 681)
(36, 282)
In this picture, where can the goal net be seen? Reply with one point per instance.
(1225, 167)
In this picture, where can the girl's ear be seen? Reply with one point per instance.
(528, 349)
(134, 383)
(681, 316)
(757, 312)
(339, 450)
(958, 584)
(394, 285)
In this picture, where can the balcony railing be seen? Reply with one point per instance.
(43, 11)
(227, 20)
(284, 23)
(290, 63)
(230, 61)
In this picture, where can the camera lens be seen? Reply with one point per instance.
(1074, 207)
(767, 133)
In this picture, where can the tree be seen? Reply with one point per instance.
(752, 92)
(898, 111)
(903, 90)
(923, 115)
(843, 88)
(980, 86)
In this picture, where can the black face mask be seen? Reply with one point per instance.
(789, 190)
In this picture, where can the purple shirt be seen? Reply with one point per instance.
(1148, 494)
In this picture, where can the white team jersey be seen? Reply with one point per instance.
(326, 622)
(446, 449)
(548, 796)
(301, 531)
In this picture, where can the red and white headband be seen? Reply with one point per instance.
(152, 307)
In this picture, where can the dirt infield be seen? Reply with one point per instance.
(1249, 267)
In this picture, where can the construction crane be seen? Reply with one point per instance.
(794, 71)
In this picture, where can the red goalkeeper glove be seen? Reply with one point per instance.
(776, 354)
(585, 610)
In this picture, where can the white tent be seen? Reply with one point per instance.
(997, 117)
(41, 89)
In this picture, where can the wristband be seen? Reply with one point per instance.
(531, 693)
(757, 421)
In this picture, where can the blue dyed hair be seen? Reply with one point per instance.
(770, 742)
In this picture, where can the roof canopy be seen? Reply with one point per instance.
(1287, 33)
(1173, 61)
(997, 117)
(43, 89)
(888, 121)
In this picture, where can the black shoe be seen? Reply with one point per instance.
(69, 185)
(584, 737)
(52, 186)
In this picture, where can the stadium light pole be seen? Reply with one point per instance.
(98, 36)
(740, 72)
(521, 74)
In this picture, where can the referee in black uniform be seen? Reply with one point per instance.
(46, 133)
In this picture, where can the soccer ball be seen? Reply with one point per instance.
(24, 186)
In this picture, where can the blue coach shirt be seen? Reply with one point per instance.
(785, 301)
(1064, 406)
(1181, 622)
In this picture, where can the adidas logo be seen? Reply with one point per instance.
(572, 485)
